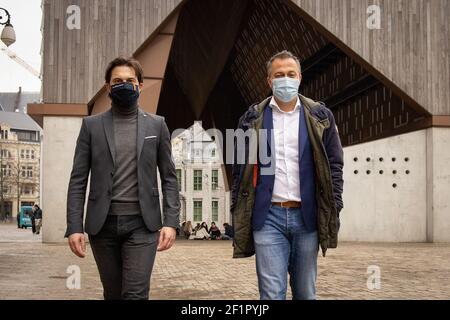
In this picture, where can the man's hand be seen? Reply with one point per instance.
(77, 243)
(167, 237)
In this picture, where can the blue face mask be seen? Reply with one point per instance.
(285, 89)
(124, 95)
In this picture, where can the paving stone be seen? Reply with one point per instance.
(30, 269)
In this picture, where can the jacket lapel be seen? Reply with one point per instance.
(302, 132)
(108, 127)
(141, 129)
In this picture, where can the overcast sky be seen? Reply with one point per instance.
(26, 17)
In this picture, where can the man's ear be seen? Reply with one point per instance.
(108, 87)
(141, 86)
(269, 82)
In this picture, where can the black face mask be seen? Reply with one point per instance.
(124, 95)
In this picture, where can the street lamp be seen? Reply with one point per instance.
(8, 36)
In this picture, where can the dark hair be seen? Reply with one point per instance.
(122, 61)
(282, 55)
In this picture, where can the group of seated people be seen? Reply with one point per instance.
(201, 231)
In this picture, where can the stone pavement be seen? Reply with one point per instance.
(205, 270)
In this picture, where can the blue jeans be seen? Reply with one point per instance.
(284, 246)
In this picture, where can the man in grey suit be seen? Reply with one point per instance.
(122, 149)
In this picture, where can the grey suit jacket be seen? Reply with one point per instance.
(95, 153)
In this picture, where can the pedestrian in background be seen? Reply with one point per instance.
(37, 214)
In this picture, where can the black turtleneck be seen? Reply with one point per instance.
(125, 199)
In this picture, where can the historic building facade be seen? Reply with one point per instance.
(20, 154)
(203, 193)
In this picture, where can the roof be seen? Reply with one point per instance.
(18, 121)
(8, 100)
(195, 133)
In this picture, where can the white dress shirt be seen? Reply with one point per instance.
(287, 179)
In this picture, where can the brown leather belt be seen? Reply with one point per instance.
(288, 204)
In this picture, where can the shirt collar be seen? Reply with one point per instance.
(274, 105)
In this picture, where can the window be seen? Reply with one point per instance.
(215, 179)
(30, 172)
(197, 180)
(6, 170)
(5, 153)
(198, 210)
(22, 154)
(179, 178)
(27, 190)
(4, 134)
(27, 172)
(32, 154)
(28, 153)
(27, 135)
(213, 153)
(215, 210)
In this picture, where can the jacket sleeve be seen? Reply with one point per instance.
(335, 154)
(78, 182)
(169, 183)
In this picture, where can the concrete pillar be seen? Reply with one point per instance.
(438, 182)
(61, 133)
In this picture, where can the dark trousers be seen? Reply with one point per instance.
(124, 251)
